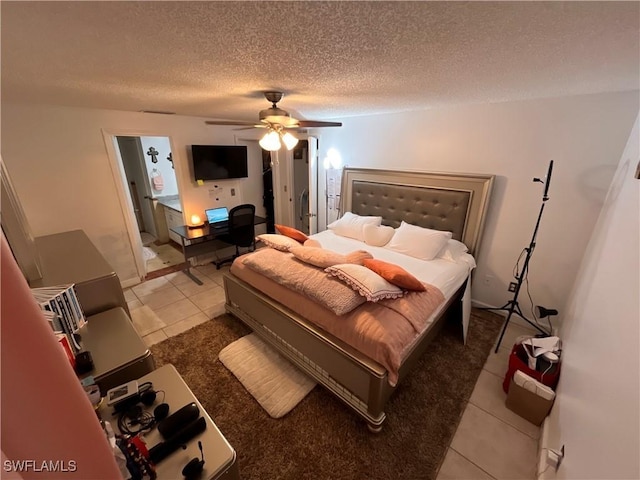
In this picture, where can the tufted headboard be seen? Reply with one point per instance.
(443, 201)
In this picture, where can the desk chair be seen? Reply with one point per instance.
(241, 231)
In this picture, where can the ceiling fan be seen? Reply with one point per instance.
(276, 121)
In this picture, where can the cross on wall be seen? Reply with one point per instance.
(153, 153)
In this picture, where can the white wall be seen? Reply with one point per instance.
(596, 413)
(58, 162)
(162, 166)
(584, 135)
(252, 187)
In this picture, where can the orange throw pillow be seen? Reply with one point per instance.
(291, 233)
(395, 274)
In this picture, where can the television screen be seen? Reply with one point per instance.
(218, 162)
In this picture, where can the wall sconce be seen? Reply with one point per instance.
(273, 139)
(332, 160)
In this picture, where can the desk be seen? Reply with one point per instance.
(219, 456)
(119, 354)
(203, 240)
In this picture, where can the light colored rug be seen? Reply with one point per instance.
(163, 256)
(148, 253)
(275, 383)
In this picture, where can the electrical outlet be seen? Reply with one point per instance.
(554, 458)
(513, 286)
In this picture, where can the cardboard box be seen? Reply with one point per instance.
(527, 404)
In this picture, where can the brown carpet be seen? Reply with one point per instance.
(321, 438)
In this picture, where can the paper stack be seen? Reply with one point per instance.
(62, 309)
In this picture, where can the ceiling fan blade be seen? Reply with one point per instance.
(230, 122)
(315, 123)
(249, 128)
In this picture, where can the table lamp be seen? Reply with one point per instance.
(196, 221)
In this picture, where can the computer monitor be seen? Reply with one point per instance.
(217, 215)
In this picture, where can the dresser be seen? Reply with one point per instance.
(70, 257)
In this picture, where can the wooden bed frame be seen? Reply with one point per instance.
(452, 202)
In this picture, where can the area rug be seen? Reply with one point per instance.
(148, 254)
(271, 379)
(321, 438)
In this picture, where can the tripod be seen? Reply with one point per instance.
(512, 305)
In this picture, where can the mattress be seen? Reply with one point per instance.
(397, 338)
(444, 274)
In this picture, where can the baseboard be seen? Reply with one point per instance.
(130, 282)
(544, 471)
(515, 319)
(479, 304)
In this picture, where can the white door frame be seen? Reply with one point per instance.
(288, 209)
(313, 155)
(312, 185)
(124, 198)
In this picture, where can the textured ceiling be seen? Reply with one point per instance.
(333, 59)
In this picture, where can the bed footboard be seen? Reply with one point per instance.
(355, 379)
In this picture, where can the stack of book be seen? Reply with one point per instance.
(63, 311)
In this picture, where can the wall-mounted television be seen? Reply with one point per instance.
(219, 162)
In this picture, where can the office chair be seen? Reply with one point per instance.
(241, 231)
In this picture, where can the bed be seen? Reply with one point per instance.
(450, 202)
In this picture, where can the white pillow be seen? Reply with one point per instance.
(453, 250)
(366, 282)
(418, 242)
(350, 225)
(377, 236)
(279, 242)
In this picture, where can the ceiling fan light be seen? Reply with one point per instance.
(270, 142)
(289, 140)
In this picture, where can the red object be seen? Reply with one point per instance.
(518, 361)
(64, 343)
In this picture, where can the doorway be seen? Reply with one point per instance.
(267, 187)
(301, 186)
(304, 183)
(152, 185)
(294, 180)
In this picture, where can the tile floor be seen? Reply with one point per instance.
(491, 442)
(169, 305)
(167, 255)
